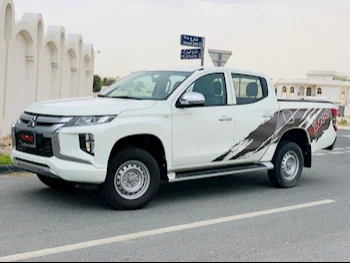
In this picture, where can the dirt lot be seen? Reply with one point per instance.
(5, 146)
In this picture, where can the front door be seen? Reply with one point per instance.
(201, 134)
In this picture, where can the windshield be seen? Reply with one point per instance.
(149, 85)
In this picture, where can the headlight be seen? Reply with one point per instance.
(90, 120)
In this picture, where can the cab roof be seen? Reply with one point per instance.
(209, 69)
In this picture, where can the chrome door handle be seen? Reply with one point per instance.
(268, 115)
(225, 118)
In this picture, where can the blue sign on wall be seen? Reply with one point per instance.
(191, 41)
(191, 53)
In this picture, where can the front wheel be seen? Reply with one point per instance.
(289, 163)
(133, 179)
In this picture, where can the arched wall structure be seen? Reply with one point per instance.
(7, 24)
(37, 66)
(70, 72)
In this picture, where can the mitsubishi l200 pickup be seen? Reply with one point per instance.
(172, 125)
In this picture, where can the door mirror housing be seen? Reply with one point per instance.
(191, 99)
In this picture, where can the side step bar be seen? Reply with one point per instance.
(218, 171)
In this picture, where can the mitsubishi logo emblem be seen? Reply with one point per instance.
(32, 122)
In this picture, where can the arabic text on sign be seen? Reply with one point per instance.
(192, 41)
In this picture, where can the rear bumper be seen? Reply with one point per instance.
(57, 168)
(331, 148)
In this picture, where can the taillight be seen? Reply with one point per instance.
(335, 114)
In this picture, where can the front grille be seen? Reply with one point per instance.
(42, 120)
(43, 127)
(43, 146)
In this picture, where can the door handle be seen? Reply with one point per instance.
(268, 115)
(225, 118)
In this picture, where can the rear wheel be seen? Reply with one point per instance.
(289, 163)
(56, 183)
(132, 181)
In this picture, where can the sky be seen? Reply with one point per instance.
(283, 38)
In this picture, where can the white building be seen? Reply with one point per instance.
(38, 63)
(329, 85)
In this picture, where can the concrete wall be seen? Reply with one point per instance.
(347, 111)
(37, 65)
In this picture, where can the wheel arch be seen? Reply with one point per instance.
(146, 141)
(300, 137)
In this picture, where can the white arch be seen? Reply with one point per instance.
(87, 79)
(87, 62)
(77, 41)
(25, 50)
(21, 71)
(49, 69)
(26, 31)
(73, 54)
(7, 21)
(54, 45)
(36, 21)
(88, 48)
(70, 72)
(86, 72)
(60, 34)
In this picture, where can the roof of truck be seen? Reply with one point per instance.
(208, 68)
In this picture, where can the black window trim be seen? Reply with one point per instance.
(177, 103)
(264, 86)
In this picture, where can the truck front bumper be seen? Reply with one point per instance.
(60, 169)
(56, 151)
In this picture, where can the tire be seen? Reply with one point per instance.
(133, 179)
(56, 183)
(289, 164)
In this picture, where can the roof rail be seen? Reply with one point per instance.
(199, 69)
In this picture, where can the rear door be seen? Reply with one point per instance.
(256, 112)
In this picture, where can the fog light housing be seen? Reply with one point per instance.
(87, 143)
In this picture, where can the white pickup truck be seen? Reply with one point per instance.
(171, 125)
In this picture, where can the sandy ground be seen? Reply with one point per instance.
(5, 146)
(22, 174)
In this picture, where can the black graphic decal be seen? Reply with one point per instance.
(314, 121)
(321, 124)
(253, 141)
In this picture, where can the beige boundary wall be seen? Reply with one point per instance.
(38, 64)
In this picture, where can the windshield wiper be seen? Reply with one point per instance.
(125, 97)
(101, 96)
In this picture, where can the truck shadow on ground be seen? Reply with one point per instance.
(87, 197)
(237, 185)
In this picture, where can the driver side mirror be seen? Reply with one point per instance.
(191, 99)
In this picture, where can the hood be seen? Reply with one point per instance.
(88, 106)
